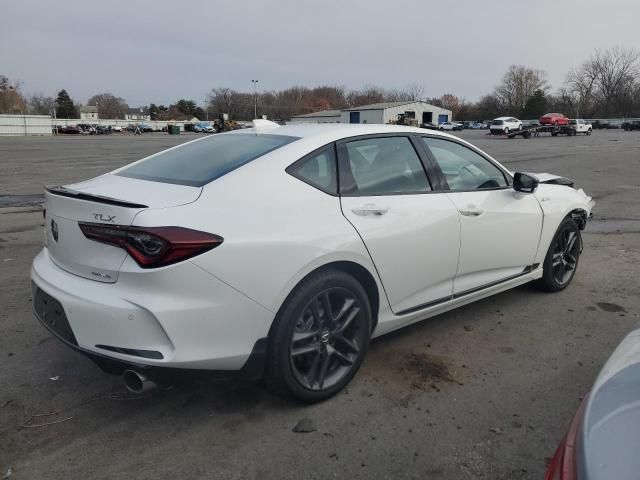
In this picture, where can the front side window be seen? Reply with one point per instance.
(318, 170)
(385, 166)
(200, 162)
(463, 168)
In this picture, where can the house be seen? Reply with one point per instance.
(139, 114)
(88, 113)
(324, 116)
(412, 112)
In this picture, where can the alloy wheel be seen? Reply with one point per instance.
(327, 339)
(565, 256)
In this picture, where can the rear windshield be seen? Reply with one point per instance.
(497, 122)
(198, 163)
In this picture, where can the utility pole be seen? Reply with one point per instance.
(255, 98)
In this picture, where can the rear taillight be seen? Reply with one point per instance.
(153, 247)
(563, 463)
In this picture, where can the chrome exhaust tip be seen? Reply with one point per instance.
(137, 382)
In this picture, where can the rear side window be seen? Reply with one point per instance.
(384, 166)
(198, 163)
(318, 170)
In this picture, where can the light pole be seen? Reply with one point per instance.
(255, 98)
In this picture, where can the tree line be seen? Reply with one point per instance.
(605, 85)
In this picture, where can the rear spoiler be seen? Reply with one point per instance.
(67, 192)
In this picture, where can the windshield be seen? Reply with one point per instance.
(497, 122)
(200, 162)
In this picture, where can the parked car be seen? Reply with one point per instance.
(145, 127)
(477, 125)
(429, 126)
(580, 126)
(203, 127)
(155, 266)
(116, 128)
(504, 125)
(613, 125)
(449, 126)
(556, 119)
(631, 125)
(69, 129)
(602, 439)
(599, 124)
(87, 129)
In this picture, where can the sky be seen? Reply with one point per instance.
(157, 51)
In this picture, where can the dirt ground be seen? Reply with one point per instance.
(485, 391)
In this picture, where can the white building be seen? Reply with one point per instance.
(88, 113)
(324, 116)
(414, 113)
(408, 113)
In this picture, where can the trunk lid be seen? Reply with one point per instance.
(108, 199)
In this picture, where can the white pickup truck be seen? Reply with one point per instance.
(580, 126)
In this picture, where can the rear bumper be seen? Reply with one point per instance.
(175, 317)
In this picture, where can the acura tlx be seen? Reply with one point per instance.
(280, 251)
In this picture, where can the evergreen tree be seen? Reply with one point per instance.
(536, 106)
(64, 105)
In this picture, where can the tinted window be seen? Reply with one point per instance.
(497, 122)
(318, 170)
(463, 168)
(200, 162)
(385, 166)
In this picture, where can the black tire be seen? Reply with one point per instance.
(330, 349)
(506, 131)
(588, 132)
(561, 261)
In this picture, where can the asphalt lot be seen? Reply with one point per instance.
(485, 391)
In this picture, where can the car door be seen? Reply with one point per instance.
(499, 227)
(412, 234)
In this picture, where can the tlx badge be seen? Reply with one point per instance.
(104, 218)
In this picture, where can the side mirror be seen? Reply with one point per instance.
(524, 183)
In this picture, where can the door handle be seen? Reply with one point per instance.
(370, 209)
(471, 211)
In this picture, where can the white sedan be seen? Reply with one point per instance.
(280, 252)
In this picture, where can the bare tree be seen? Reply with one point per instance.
(109, 106)
(39, 104)
(518, 85)
(607, 83)
(11, 99)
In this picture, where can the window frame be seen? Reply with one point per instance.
(443, 181)
(318, 151)
(347, 186)
(122, 171)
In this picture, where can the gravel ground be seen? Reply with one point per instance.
(485, 391)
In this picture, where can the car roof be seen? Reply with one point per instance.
(336, 131)
(505, 118)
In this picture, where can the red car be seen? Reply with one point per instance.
(554, 119)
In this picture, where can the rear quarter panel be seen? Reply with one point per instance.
(276, 228)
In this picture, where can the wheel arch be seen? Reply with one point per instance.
(362, 274)
(578, 215)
